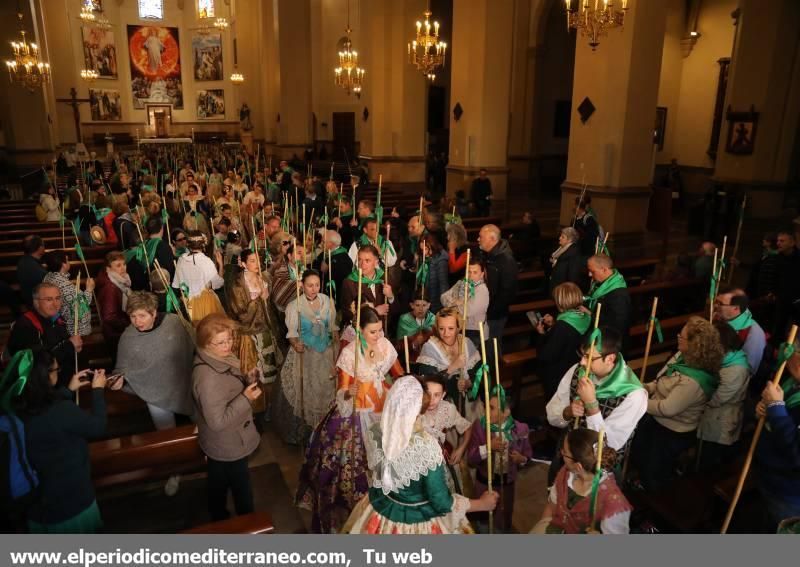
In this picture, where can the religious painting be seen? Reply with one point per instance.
(205, 9)
(211, 104)
(155, 55)
(742, 128)
(105, 105)
(660, 128)
(99, 51)
(95, 5)
(207, 55)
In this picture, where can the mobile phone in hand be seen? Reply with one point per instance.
(534, 317)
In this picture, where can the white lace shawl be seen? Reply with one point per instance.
(433, 354)
(422, 455)
(445, 417)
(368, 370)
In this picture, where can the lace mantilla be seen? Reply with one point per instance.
(444, 417)
(422, 455)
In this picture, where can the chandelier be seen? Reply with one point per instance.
(27, 68)
(221, 24)
(236, 77)
(89, 75)
(595, 22)
(348, 74)
(426, 52)
(87, 14)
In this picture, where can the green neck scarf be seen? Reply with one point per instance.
(337, 251)
(578, 320)
(708, 382)
(407, 325)
(507, 427)
(791, 398)
(742, 321)
(381, 242)
(615, 281)
(377, 279)
(735, 358)
(620, 382)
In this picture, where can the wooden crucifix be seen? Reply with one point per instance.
(75, 103)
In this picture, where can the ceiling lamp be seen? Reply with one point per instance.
(236, 77)
(426, 52)
(348, 74)
(26, 68)
(595, 21)
(89, 75)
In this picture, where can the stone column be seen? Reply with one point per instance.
(765, 78)
(294, 61)
(613, 149)
(394, 94)
(481, 86)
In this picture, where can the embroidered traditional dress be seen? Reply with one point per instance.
(433, 359)
(302, 401)
(446, 425)
(197, 273)
(571, 514)
(408, 492)
(334, 476)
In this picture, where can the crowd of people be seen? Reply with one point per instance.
(244, 297)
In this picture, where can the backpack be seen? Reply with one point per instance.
(18, 480)
(41, 214)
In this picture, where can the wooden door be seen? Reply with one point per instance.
(161, 124)
(344, 134)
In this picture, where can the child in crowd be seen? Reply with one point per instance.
(417, 325)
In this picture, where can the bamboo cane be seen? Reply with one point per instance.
(463, 347)
(305, 233)
(386, 276)
(76, 329)
(501, 456)
(357, 347)
(590, 356)
(598, 468)
(713, 275)
(421, 266)
(738, 239)
(759, 427)
(487, 414)
(420, 209)
(63, 228)
(187, 323)
(299, 334)
(333, 307)
(405, 347)
(650, 328)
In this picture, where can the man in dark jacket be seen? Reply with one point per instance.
(609, 288)
(45, 328)
(501, 279)
(30, 271)
(481, 194)
(341, 264)
(787, 292)
(587, 228)
(157, 248)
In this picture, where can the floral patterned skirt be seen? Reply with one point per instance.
(334, 476)
(365, 520)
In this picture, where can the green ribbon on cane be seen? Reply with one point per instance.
(423, 272)
(15, 377)
(595, 338)
(659, 332)
(173, 304)
(83, 305)
(785, 352)
(331, 285)
(483, 370)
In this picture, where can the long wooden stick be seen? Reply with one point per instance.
(713, 275)
(333, 308)
(405, 346)
(650, 328)
(500, 456)
(463, 346)
(590, 356)
(76, 315)
(299, 332)
(386, 275)
(63, 228)
(738, 239)
(598, 468)
(759, 427)
(487, 414)
(357, 347)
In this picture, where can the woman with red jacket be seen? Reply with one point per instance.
(113, 288)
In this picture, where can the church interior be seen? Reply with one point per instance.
(677, 122)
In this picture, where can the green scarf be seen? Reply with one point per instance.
(576, 319)
(508, 425)
(708, 382)
(14, 377)
(620, 382)
(377, 279)
(144, 253)
(613, 282)
(791, 400)
(742, 321)
(735, 358)
(407, 325)
(337, 251)
(180, 251)
(380, 240)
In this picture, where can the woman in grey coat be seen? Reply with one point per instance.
(226, 432)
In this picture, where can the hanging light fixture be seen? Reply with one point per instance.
(595, 21)
(236, 77)
(89, 75)
(87, 13)
(427, 52)
(348, 74)
(27, 68)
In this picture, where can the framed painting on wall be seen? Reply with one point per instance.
(207, 57)
(211, 104)
(99, 51)
(105, 105)
(660, 128)
(155, 56)
(742, 127)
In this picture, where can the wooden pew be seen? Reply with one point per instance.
(11, 258)
(253, 523)
(145, 457)
(8, 274)
(50, 242)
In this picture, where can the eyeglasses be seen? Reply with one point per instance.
(180, 239)
(720, 304)
(286, 242)
(223, 342)
(583, 355)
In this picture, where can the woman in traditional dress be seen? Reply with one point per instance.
(334, 476)
(569, 505)
(248, 303)
(478, 300)
(408, 493)
(57, 262)
(306, 388)
(196, 215)
(196, 275)
(285, 275)
(441, 354)
(214, 184)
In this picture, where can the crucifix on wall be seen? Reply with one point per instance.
(75, 103)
